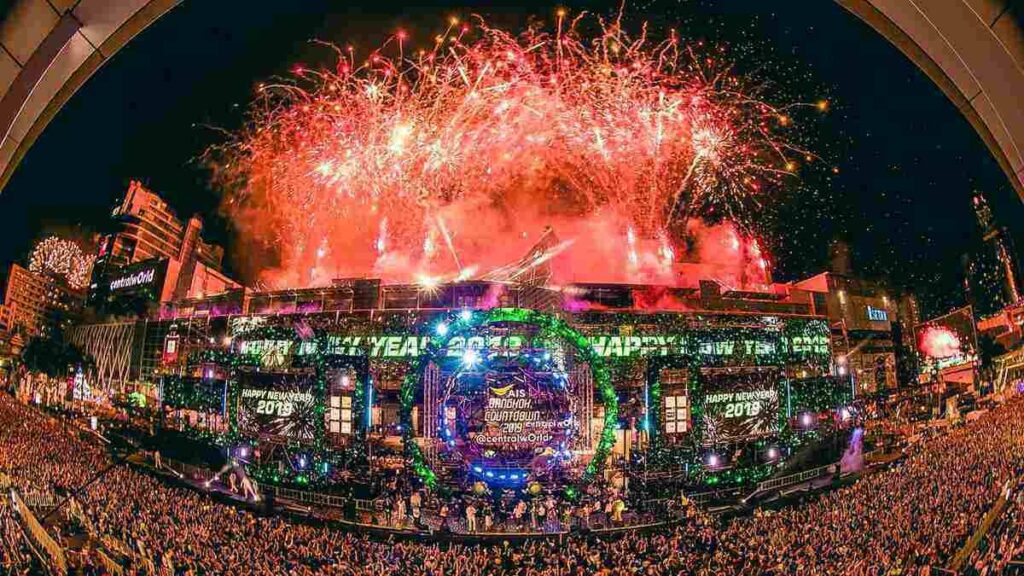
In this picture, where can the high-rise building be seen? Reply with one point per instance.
(39, 302)
(6, 318)
(994, 271)
(10, 341)
(149, 229)
(154, 257)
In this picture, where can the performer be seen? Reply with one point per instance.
(470, 517)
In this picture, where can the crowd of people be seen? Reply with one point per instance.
(907, 519)
(15, 556)
(1001, 552)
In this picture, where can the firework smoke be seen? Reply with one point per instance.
(451, 162)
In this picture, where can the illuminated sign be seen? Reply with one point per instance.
(878, 314)
(412, 346)
(276, 403)
(278, 406)
(514, 417)
(140, 278)
(741, 406)
(271, 353)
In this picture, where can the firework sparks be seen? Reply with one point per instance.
(487, 139)
(63, 258)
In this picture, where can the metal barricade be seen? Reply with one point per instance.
(781, 482)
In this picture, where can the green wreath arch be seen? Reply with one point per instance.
(550, 326)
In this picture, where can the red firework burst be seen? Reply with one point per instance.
(451, 162)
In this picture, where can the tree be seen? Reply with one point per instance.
(53, 356)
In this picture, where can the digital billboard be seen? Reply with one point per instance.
(133, 288)
(740, 406)
(947, 342)
(508, 416)
(278, 406)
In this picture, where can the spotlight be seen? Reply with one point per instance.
(441, 329)
(773, 453)
(466, 315)
(714, 460)
(470, 357)
(807, 419)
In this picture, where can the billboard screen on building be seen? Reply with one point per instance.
(277, 406)
(741, 406)
(140, 277)
(867, 313)
(947, 342)
(131, 289)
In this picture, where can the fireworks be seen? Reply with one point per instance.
(64, 258)
(452, 161)
(938, 342)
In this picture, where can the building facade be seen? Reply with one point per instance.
(991, 273)
(149, 229)
(39, 302)
(151, 240)
(6, 318)
(872, 329)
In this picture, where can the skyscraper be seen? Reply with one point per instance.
(38, 302)
(1004, 272)
(150, 229)
(154, 252)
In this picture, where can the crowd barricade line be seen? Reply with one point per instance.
(116, 546)
(109, 564)
(75, 512)
(12, 537)
(797, 478)
(56, 561)
(40, 501)
(375, 507)
(979, 533)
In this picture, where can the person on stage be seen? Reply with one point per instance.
(470, 518)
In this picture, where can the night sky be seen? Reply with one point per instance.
(907, 161)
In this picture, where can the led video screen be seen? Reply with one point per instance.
(740, 406)
(278, 406)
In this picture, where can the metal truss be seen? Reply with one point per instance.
(111, 346)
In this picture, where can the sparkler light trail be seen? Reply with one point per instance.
(445, 162)
(63, 258)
